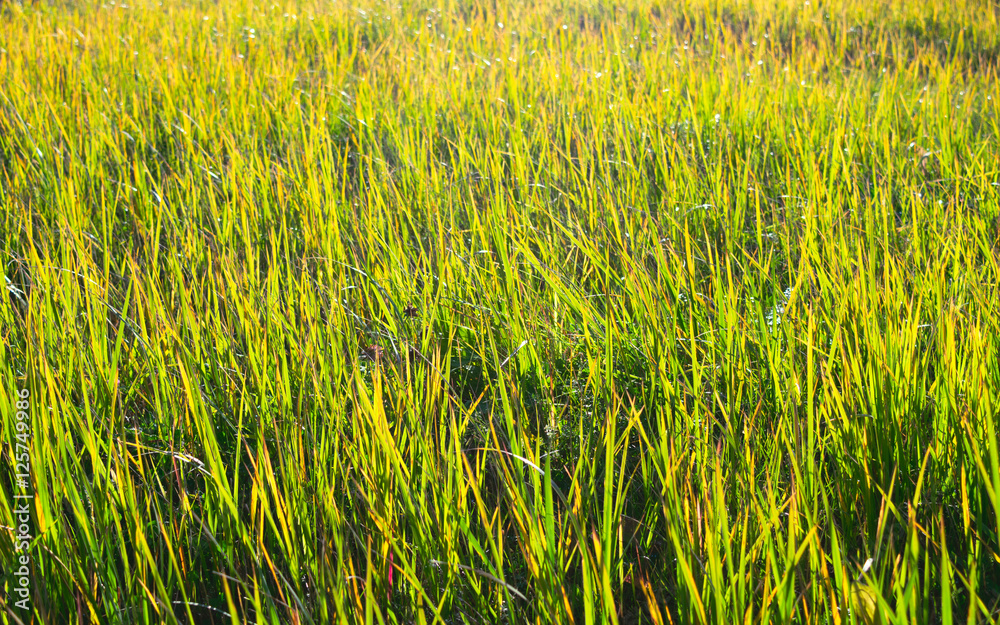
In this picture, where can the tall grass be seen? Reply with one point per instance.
(487, 312)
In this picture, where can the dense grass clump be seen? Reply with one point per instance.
(658, 312)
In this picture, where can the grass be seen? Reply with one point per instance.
(502, 313)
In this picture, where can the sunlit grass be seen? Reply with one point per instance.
(483, 313)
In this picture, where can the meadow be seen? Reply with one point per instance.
(488, 312)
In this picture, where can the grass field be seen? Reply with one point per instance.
(654, 312)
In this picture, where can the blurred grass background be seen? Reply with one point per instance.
(644, 312)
